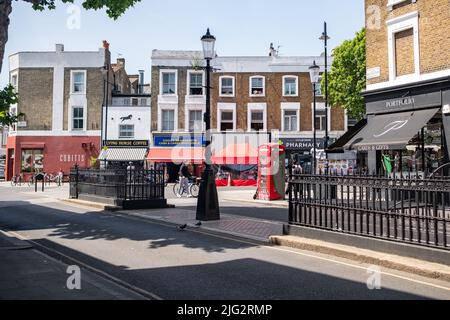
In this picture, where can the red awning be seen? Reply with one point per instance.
(234, 154)
(176, 155)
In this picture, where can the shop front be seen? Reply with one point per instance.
(236, 165)
(171, 150)
(49, 154)
(120, 154)
(300, 150)
(407, 130)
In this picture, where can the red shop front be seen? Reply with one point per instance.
(49, 154)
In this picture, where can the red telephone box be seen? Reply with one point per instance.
(271, 172)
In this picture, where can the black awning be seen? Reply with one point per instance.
(390, 131)
(339, 144)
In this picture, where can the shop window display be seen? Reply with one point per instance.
(32, 160)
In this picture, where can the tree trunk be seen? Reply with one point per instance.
(5, 11)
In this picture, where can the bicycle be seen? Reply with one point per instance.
(56, 178)
(192, 190)
(17, 180)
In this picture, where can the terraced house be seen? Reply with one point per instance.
(408, 85)
(266, 94)
(61, 96)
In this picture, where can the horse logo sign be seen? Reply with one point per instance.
(126, 118)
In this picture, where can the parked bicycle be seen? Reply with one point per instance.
(191, 190)
(17, 180)
(57, 178)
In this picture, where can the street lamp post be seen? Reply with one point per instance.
(106, 98)
(208, 200)
(325, 39)
(314, 72)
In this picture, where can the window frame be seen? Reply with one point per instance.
(394, 26)
(189, 120)
(320, 107)
(284, 86)
(72, 81)
(221, 94)
(162, 120)
(126, 125)
(34, 152)
(161, 84)
(73, 118)
(251, 94)
(226, 107)
(256, 107)
(188, 81)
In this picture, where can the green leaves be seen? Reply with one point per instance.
(114, 8)
(347, 78)
(8, 97)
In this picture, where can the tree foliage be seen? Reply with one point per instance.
(114, 8)
(8, 97)
(347, 78)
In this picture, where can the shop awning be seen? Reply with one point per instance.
(339, 144)
(176, 155)
(241, 153)
(123, 154)
(390, 131)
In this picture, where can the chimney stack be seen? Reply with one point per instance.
(121, 62)
(141, 81)
(59, 47)
(105, 44)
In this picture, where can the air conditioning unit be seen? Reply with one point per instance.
(22, 124)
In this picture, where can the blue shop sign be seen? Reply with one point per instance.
(179, 140)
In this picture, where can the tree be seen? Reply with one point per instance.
(8, 97)
(347, 78)
(114, 9)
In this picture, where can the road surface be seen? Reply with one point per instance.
(161, 262)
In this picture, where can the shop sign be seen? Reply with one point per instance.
(403, 103)
(71, 158)
(126, 143)
(178, 140)
(304, 144)
(380, 147)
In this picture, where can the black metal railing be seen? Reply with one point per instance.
(406, 209)
(121, 184)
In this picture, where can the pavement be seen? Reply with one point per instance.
(37, 276)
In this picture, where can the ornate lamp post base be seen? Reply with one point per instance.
(208, 199)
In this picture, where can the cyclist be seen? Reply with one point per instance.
(185, 176)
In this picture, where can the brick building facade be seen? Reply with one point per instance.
(61, 97)
(266, 93)
(408, 85)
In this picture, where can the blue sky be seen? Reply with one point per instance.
(242, 27)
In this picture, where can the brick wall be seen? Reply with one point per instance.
(404, 52)
(36, 97)
(94, 95)
(273, 97)
(434, 38)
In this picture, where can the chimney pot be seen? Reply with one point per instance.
(59, 47)
(106, 44)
